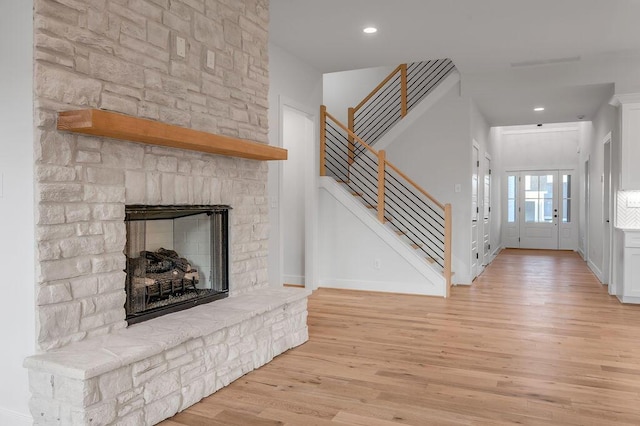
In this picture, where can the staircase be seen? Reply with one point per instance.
(415, 217)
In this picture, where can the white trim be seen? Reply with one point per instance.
(607, 211)
(624, 98)
(629, 299)
(311, 194)
(436, 284)
(293, 279)
(378, 286)
(596, 271)
(571, 167)
(13, 418)
(418, 111)
(540, 130)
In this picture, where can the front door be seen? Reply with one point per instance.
(539, 210)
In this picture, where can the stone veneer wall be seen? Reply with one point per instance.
(120, 55)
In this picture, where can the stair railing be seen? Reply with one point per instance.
(394, 97)
(410, 210)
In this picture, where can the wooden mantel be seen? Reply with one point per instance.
(120, 126)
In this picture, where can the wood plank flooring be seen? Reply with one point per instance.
(535, 340)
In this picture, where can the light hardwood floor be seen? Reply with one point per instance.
(535, 340)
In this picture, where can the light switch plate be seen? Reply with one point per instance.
(181, 47)
(1, 184)
(457, 187)
(211, 59)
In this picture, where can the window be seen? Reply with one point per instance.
(511, 199)
(566, 198)
(538, 198)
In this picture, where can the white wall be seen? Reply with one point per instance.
(297, 138)
(294, 83)
(605, 121)
(436, 152)
(16, 208)
(553, 146)
(353, 256)
(495, 137)
(342, 90)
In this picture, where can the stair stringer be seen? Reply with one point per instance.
(431, 283)
(418, 110)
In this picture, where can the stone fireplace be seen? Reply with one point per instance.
(122, 56)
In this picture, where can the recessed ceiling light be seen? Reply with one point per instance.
(538, 109)
(370, 30)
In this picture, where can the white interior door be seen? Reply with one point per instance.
(475, 212)
(486, 218)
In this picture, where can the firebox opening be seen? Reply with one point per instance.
(177, 258)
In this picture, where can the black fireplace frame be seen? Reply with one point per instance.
(220, 248)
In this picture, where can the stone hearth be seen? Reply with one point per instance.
(150, 371)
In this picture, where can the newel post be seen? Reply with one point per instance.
(352, 145)
(323, 140)
(403, 90)
(447, 247)
(382, 159)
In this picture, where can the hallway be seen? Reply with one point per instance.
(535, 340)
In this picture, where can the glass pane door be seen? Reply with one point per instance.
(538, 226)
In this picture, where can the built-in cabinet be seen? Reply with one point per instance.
(627, 276)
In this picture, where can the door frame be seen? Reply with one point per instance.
(311, 194)
(587, 201)
(486, 204)
(475, 167)
(607, 211)
(511, 242)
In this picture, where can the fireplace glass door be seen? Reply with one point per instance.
(177, 257)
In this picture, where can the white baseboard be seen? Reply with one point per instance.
(13, 418)
(381, 286)
(581, 253)
(597, 272)
(293, 279)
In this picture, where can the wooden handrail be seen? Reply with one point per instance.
(350, 133)
(378, 87)
(415, 185)
(375, 153)
(382, 164)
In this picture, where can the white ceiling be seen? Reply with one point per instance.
(480, 36)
